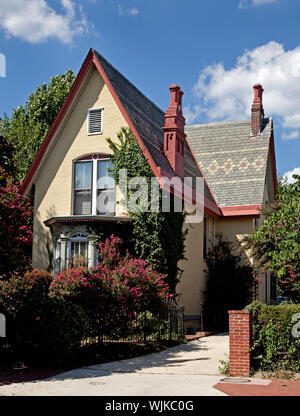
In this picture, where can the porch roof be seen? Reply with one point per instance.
(85, 219)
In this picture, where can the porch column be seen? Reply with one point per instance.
(63, 244)
(91, 253)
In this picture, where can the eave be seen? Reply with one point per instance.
(85, 219)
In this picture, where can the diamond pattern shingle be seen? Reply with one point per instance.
(233, 162)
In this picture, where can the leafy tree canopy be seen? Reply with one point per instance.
(29, 124)
(229, 283)
(276, 244)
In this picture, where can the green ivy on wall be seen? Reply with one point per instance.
(157, 237)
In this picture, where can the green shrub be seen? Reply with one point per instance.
(115, 293)
(273, 345)
(20, 291)
(50, 331)
(39, 327)
(229, 284)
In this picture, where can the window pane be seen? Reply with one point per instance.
(79, 254)
(106, 199)
(83, 249)
(105, 179)
(83, 188)
(82, 203)
(83, 175)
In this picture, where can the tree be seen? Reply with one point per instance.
(29, 124)
(7, 167)
(229, 283)
(276, 244)
(15, 217)
(15, 229)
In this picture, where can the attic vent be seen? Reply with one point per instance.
(95, 121)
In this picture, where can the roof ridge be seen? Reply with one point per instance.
(129, 82)
(217, 123)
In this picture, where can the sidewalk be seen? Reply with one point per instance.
(259, 387)
(186, 370)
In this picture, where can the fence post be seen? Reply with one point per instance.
(239, 342)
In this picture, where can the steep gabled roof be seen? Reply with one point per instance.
(233, 162)
(148, 120)
(142, 115)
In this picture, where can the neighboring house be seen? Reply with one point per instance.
(70, 173)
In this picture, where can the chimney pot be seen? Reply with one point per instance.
(174, 136)
(257, 111)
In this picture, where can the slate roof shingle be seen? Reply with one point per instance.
(233, 162)
(148, 120)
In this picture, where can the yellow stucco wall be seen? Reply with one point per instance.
(53, 185)
(193, 279)
(191, 282)
(234, 229)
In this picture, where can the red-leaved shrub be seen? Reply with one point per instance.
(116, 290)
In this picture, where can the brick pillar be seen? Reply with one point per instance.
(239, 342)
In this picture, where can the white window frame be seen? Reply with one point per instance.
(78, 237)
(94, 183)
(88, 121)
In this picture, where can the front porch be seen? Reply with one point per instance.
(73, 239)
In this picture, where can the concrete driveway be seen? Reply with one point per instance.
(185, 370)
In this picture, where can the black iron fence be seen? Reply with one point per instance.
(141, 327)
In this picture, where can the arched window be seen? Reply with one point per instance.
(93, 186)
(77, 251)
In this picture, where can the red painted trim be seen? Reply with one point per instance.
(209, 207)
(73, 219)
(242, 210)
(273, 160)
(207, 211)
(92, 156)
(75, 87)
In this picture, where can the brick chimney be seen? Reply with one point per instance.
(174, 136)
(257, 111)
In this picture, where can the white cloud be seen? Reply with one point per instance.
(192, 113)
(133, 11)
(293, 134)
(250, 3)
(227, 94)
(35, 21)
(289, 175)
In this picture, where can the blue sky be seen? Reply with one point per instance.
(215, 50)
